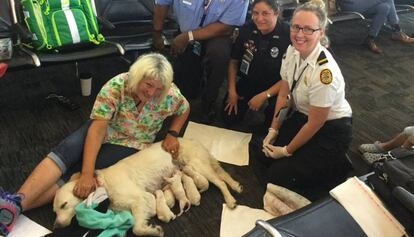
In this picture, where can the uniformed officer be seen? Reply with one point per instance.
(308, 149)
(204, 43)
(256, 58)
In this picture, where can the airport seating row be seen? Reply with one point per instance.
(126, 25)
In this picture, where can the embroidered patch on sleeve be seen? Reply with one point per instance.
(326, 76)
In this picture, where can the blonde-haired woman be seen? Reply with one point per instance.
(308, 149)
(128, 113)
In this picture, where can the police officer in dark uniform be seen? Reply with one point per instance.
(256, 58)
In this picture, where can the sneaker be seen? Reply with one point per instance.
(10, 209)
(370, 158)
(401, 36)
(371, 148)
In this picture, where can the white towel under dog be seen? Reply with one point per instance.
(366, 209)
(225, 145)
(240, 220)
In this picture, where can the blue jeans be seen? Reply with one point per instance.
(381, 11)
(68, 153)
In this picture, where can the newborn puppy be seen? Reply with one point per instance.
(191, 190)
(200, 181)
(179, 193)
(163, 211)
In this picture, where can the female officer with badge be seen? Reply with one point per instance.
(256, 58)
(308, 149)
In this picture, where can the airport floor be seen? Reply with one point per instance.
(379, 88)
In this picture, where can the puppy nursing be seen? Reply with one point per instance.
(148, 182)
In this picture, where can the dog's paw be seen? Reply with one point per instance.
(239, 189)
(148, 230)
(160, 231)
(231, 202)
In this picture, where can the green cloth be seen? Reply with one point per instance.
(113, 223)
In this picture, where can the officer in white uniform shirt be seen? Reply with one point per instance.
(307, 141)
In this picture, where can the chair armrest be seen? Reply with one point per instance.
(105, 23)
(22, 31)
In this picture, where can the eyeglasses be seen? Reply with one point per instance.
(306, 30)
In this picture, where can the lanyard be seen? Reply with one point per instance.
(300, 76)
(206, 5)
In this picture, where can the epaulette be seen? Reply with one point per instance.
(322, 58)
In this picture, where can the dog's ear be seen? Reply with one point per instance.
(75, 176)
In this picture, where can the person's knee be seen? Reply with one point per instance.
(383, 8)
(54, 164)
(409, 132)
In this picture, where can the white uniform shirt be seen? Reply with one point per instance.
(321, 83)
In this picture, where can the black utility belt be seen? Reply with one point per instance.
(332, 122)
(343, 120)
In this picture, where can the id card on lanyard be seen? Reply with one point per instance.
(196, 44)
(287, 110)
(294, 83)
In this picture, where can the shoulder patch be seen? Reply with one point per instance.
(322, 59)
(326, 76)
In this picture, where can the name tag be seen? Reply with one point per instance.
(244, 66)
(187, 2)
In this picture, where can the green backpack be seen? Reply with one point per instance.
(57, 23)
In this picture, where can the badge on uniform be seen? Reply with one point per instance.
(274, 52)
(326, 76)
(244, 66)
(197, 48)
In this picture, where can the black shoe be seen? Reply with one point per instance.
(62, 100)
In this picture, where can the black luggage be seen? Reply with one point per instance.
(393, 182)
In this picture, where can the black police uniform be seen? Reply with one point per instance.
(263, 54)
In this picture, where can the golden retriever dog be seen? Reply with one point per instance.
(131, 183)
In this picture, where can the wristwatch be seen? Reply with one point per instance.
(173, 133)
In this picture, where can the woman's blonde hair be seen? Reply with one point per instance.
(318, 8)
(151, 65)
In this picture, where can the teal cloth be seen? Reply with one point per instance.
(113, 223)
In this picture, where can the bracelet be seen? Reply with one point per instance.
(190, 36)
(173, 133)
(268, 95)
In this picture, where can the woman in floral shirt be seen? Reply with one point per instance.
(128, 113)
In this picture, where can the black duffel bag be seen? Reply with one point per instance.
(393, 182)
(325, 217)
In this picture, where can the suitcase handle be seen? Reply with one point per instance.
(268, 228)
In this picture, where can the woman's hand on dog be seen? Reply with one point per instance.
(85, 185)
(171, 145)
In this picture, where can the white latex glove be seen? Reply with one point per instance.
(270, 137)
(275, 152)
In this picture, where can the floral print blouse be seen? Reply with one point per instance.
(128, 126)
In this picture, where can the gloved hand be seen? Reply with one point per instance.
(270, 137)
(275, 152)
